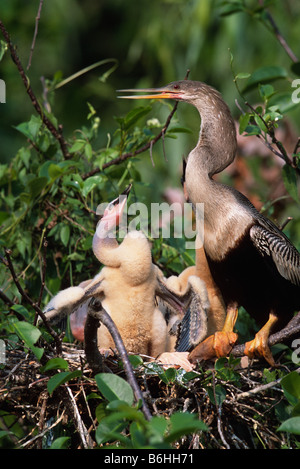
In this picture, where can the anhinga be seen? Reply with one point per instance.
(128, 286)
(251, 260)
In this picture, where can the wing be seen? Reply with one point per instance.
(71, 299)
(274, 245)
(191, 306)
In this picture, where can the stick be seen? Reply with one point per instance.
(96, 311)
(57, 133)
(289, 331)
(37, 19)
(145, 147)
(35, 306)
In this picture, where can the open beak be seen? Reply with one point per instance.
(114, 211)
(157, 93)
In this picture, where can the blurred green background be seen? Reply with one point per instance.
(153, 43)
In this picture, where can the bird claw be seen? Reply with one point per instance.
(258, 347)
(215, 346)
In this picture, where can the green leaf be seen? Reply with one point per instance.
(90, 184)
(61, 378)
(36, 186)
(30, 129)
(260, 123)
(244, 120)
(242, 75)
(135, 360)
(65, 234)
(60, 443)
(233, 7)
(283, 102)
(291, 385)
(290, 181)
(77, 146)
(113, 387)
(55, 364)
(266, 91)
(183, 424)
(291, 425)
(88, 151)
(218, 395)
(109, 428)
(264, 75)
(30, 335)
(21, 310)
(133, 116)
(54, 171)
(252, 130)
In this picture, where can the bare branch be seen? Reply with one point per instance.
(131, 154)
(57, 133)
(37, 19)
(96, 311)
(279, 36)
(288, 332)
(147, 146)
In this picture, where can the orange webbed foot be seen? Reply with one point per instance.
(215, 346)
(258, 347)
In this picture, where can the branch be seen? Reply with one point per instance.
(278, 35)
(131, 154)
(285, 334)
(28, 300)
(57, 133)
(147, 146)
(98, 313)
(282, 153)
(37, 19)
(260, 388)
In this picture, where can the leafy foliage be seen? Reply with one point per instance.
(50, 190)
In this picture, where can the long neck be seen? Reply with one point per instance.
(217, 138)
(214, 151)
(104, 245)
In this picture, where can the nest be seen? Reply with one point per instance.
(245, 417)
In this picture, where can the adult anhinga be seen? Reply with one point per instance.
(251, 260)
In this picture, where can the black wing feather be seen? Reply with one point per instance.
(273, 244)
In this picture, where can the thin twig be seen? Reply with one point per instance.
(260, 388)
(40, 435)
(31, 302)
(57, 133)
(147, 146)
(131, 154)
(86, 439)
(37, 19)
(219, 413)
(278, 34)
(43, 272)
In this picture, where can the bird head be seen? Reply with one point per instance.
(114, 211)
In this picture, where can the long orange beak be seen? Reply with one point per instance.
(158, 93)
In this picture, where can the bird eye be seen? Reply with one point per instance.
(176, 87)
